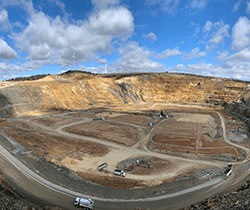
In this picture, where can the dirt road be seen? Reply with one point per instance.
(36, 186)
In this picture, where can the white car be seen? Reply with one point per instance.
(83, 202)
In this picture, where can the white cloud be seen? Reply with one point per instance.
(150, 36)
(229, 69)
(196, 32)
(218, 36)
(222, 57)
(152, 2)
(35, 64)
(40, 52)
(192, 24)
(169, 6)
(4, 21)
(168, 53)
(195, 53)
(102, 61)
(243, 55)
(6, 52)
(236, 6)
(3, 16)
(56, 38)
(215, 34)
(9, 70)
(59, 3)
(207, 27)
(103, 4)
(198, 4)
(27, 5)
(116, 22)
(136, 59)
(100, 69)
(248, 7)
(241, 34)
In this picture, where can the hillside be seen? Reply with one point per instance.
(78, 90)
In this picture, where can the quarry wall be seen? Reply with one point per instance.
(81, 91)
(240, 108)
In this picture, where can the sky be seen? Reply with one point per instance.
(203, 37)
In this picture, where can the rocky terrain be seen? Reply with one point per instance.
(238, 198)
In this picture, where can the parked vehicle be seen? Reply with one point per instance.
(228, 171)
(102, 166)
(84, 202)
(119, 172)
(98, 118)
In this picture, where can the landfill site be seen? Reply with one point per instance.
(126, 141)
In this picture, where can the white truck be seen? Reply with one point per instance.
(119, 172)
(86, 203)
(228, 171)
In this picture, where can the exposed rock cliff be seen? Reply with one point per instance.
(81, 90)
(240, 107)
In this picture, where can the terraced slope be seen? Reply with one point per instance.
(81, 90)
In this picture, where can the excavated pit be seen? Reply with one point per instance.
(78, 121)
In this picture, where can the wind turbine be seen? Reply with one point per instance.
(105, 68)
(74, 60)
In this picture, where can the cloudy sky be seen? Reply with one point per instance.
(205, 37)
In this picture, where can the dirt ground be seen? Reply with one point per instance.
(122, 139)
(122, 134)
(132, 119)
(193, 133)
(45, 144)
(55, 121)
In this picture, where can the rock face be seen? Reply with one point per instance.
(240, 107)
(80, 90)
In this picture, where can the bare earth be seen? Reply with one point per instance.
(76, 141)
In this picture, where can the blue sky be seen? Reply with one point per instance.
(205, 37)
